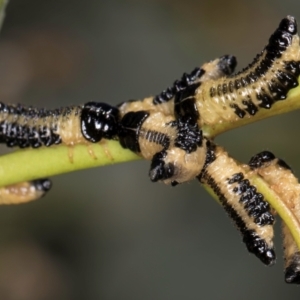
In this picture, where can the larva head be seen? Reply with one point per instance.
(288, 24)
(227, 64)
(175, 165)
(99, 120)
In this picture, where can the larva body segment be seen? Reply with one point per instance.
(265, 81)
(24, 192)
(149, 128)
(281, 179)
(240, 199)
(30, 127)
(164, 102)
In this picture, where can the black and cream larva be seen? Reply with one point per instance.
(167, 129)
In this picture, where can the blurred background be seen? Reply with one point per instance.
(109, 233)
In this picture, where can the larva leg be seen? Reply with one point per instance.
(24, 192)
(282, 180)
(247, 208)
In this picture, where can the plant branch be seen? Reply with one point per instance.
(23, 165)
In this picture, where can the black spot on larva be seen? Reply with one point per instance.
(186, 110)
(255, 205)
(287, 80)
(212, 92)
(43, 185)
(186, 93)
(231, 86)
(293, 67)
(266, 100)
(227, 64)
(244, 81)
(236, 178)
(252, 77)
(258, 160)
(292, 271)
(289, 25)
(237, 110)
(237, 84)
(254, 243)
(210, 157)
(278, 91)
(219, 90)
(159, 170)
(189, 136)
(178, 86)
(259, 247)
(98, 120)
(185, 105)
(129, 129)
(250, 108)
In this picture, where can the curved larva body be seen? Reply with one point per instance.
(164, 102)
(268, 79)
(247, 208)
(30, 127)
(284, 183)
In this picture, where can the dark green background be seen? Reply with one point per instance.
(109, 233)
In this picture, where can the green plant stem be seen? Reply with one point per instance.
(31, 164)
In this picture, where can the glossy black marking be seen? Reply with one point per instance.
(292, 271)
(236, 178)
(178, 86)
(237, 84)
(212, 92)
(99, 120)
(258, 160)
(282, 37)
(250, 108)
(14, 132)
(252, 77)
(43, 185)
(237, 110)
(254, 203)
(129, 129)
(189, 136)
(186, 110)
(227, 64)
(266, 100)
(210, 157)
(293, 67)
(159, 170)
(254, 243)
(219, 90)
(287, 80)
